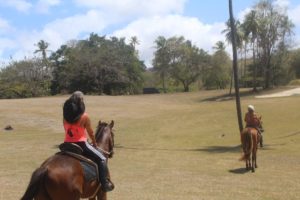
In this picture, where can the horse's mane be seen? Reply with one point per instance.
(100, 130)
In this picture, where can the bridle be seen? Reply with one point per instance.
(106, 153)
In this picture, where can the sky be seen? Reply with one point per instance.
(25, 22)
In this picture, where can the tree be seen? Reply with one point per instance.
(97, 65)
(235, 70)
(273, 30)
(42, 47)
(218, 75)
(179, 59)
(25, 78)
(239, 40)
(295, 63)
(133, 42)
(250, 27)
(161, 60)
(186, 61)
(220, 46)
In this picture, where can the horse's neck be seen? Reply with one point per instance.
(103, 140)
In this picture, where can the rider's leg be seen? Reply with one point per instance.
(107, 185)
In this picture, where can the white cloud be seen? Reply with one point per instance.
(4, 26)
(20, 5)
(43, 6)
(243, 13)
(59, 32)
(294, 14)
(148, 29)
(131, 8)
(5, 44)
(72, 27)
(283, 4)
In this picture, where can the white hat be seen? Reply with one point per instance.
(250, 107)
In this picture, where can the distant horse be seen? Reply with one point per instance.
(249, 139)
(61, 177)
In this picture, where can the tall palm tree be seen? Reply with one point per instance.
(251, 28)
(235, 69)
(161, 60)
(42, 47)
(239, 35)
(219, 46)
(133, 42)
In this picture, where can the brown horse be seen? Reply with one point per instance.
(62, 177)
(249, 139)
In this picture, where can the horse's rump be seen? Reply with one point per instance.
(67, 168)
(247, 142)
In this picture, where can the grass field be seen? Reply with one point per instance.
(174, 146)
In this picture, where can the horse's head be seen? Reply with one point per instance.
(260, 124)
(105, 138)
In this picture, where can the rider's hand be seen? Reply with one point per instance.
(95, 145)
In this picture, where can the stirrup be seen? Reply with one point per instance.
(109, 186)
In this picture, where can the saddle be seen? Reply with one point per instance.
(89, 167)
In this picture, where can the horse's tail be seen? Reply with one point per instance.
(247, 143)
(36, 182)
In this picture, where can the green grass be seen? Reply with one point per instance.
(174, 146)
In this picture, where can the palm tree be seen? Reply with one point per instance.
(161, 60)
(42, 47)
(133, 42)
(235, 69)
(251, 28)
(220, 46)
(239, 39)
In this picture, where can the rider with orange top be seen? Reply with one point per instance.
(254, 121)
(77, 125)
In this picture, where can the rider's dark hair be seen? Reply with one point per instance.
(74, 107)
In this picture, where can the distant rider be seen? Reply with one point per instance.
(254, 121)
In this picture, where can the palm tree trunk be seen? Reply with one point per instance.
(231, 80)
(235, 70)
(254, 70)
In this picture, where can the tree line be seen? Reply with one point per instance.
(100, 65)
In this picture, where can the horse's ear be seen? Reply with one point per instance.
(99, 122)
(112, 123)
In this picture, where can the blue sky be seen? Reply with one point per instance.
(24, 22)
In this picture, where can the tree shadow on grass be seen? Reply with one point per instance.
(220, 149)
(228, 97)
(209, 149)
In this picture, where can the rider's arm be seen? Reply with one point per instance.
(246, 117)
(90, 130)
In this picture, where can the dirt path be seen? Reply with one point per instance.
(286, 93)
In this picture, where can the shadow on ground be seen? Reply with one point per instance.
(228, 97)
(209, 149)
(238, 171)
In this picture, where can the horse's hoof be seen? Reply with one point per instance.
(253, 170)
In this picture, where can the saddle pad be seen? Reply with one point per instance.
(90, 168)
(90, 173)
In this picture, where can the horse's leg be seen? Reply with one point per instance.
(255, 155)
(253, 161)
(101, 195)
(247, 163)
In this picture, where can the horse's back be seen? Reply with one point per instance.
(64, 178)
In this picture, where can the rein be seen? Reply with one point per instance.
(108, 153)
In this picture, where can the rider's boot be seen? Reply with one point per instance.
(106, 183)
